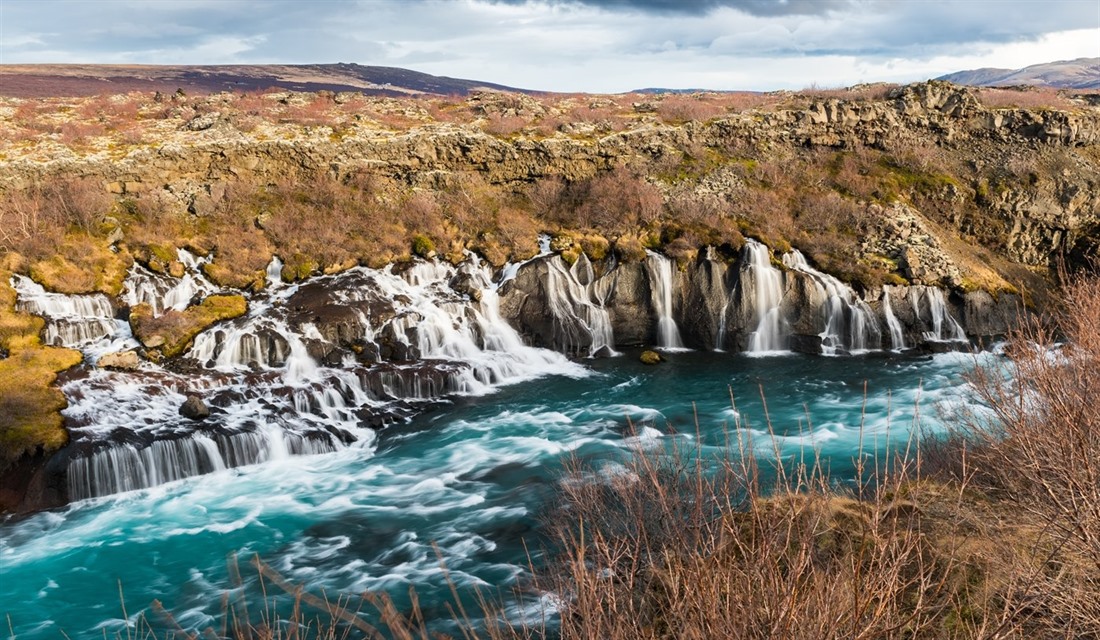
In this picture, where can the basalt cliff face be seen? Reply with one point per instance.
(226, 279)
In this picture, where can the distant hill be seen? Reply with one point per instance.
(1082, 73)
(43, 80)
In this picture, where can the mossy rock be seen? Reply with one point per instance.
(562, 241)
(169, 334)
(158, 258)
(423, 246)
(30, 418)
(596, 247)
(298, 267)
(339, 267)
(571, 255)
(650, 357)
(629, 249)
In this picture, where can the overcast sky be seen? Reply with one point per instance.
(569, 45)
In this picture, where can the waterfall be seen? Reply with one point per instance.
(661, 286)
(283, 380)
(127, 467)
(850, 324)
(576, 300)
(71, 320)
(162, 292)
(275, 272)
(720, 338)
(897, 337)
(256, 344)
(944, 327)
(770, 334)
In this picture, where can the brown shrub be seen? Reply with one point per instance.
(678, 108)
(860, 92)
(616, 200)
(76, 133)
(33, 221)
(502, 125)
(684, 545)
(829, 212)
(1024, 98)
(1034, 448)
(692, 207)
(317, 112)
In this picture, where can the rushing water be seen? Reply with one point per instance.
(770, 334)
(661, 285)
(471, 477)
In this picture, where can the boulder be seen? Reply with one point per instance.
(194, 408)
(650, 357)
(123, 360)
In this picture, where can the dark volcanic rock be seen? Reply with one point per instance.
(986, 317)
(194, 408)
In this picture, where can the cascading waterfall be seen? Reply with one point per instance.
(275, 272)
(491, 350)
(127, 468)
(897, 336)
(720, 338)
(850, 324)
(262, 377)
(576, 300)
(71, 320)
(315, 367)
(770, 334)
(661, 285)
(944, 327)
(161, 292)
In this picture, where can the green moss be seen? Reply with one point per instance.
(652, 241)
(158, 258)
(225, 276)
(596, 247)
(629, 249)
(298, 267)
(169, 334)
(423, 246)
(693, 167)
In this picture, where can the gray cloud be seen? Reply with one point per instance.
(551, 44)
(697, 7)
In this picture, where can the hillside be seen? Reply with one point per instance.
(46, 80)
(1082, 73)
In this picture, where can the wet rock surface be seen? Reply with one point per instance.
(194, 408)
